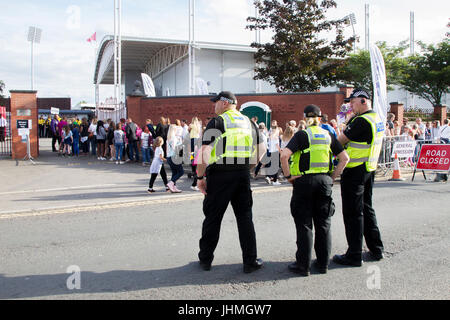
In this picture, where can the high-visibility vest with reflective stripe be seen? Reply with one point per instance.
(319, 153)
(362, 152)
(238, 134)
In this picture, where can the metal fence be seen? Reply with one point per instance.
(112, 111)
(386, 159)
(5, 135)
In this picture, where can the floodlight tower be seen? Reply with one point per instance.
(352, 19)
(34, 36)
(367, 26)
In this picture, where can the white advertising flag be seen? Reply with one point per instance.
(380, 104)
(149, 88)
(202, 86)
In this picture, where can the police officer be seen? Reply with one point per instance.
(362, 138)
(311, 173)
(228, 150)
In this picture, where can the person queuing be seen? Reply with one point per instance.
(76, 140)
(55, 133)
(101, 138)
(131, 133)
(311, 201)
(363, 138)
(228, 150)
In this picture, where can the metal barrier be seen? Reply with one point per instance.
(5, 135)
(112, 111)
(386, 160)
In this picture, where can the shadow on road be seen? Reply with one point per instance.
(35, 286)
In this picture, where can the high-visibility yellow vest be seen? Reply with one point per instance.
(319, 153)
(362, 152)
(238, 134)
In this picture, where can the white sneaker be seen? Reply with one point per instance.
(121, 162)
(268, 180)
(117, 162)
(99, 158)
(171, 186)
(111, 159)
(276, 183)
(195, 188)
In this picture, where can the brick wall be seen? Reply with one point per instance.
(284, 107)
(440, 113)
(42, 103)
(24, 100)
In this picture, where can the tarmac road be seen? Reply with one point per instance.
(148, 250)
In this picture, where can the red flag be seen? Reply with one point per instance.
(93, 37)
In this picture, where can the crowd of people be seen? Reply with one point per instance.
(154, 145)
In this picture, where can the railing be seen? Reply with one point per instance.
(112, 111)
(426, 114)
(5, 135)
(386, 159)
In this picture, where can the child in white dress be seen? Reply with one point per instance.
(157, 166)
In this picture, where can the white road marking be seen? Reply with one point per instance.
(152, 200)
(59, 189)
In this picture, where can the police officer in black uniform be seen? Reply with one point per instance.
(312, 175)
(231, 145)
(362, 139)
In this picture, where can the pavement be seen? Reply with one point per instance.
(52, 182)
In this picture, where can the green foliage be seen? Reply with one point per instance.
(428, 75)
(357, 68)
(298, 59)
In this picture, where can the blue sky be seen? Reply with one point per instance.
(65, 61)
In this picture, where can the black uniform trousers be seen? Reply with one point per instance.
(311, 202)
(358, 212)
(223, 187)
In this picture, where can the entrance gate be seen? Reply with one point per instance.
(5, 133)
(259, 110)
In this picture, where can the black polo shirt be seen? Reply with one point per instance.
(359, 130)
(300, 142)
(228, 164)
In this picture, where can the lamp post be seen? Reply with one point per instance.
(34, 36)
(117, 51)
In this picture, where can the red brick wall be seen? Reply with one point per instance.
(440, 113)
(43, 103)
(284, 107)
(24, 100)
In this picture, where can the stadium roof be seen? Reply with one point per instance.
(152, 56)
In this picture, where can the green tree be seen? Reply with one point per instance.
(299, 58)
(427, 75)
(357, 68)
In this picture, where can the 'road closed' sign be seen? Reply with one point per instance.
(434, 157)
